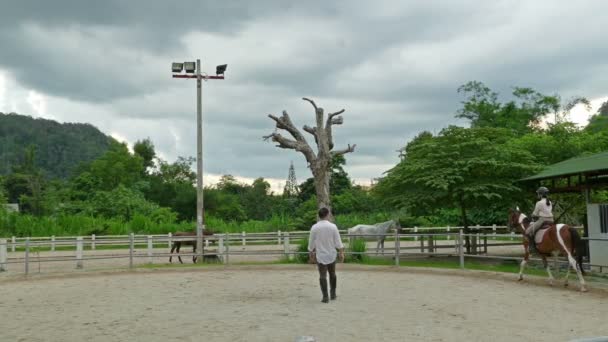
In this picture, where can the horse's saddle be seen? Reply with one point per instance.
(538, 238)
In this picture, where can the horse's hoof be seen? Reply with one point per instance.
(584, 289)
(520, 279)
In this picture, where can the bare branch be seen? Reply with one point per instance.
(349, 149)
(283, 142)
(334, 114)
(311, 102)
(299, 144)
(312, 131)
(332, 120)
(284, 122)
(336, 121)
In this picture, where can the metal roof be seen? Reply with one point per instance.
(594, 163)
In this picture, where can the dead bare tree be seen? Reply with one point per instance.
(319, 162)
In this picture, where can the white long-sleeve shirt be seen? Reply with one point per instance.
(543, 210)
(324, 239)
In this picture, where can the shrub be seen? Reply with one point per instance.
(357, 246)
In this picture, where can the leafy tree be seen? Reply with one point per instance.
(117, 166)
(26, 184)
(599, 122)
(257, 200)
(172, 185)
(459, 168)
(145, 149)
(223, 205)
(229, 184)
(121, 202)
(522, 114)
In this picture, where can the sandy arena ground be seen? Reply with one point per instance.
(281, 302)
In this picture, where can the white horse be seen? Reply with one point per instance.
(377, 232)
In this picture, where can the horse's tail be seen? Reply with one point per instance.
(578, 247)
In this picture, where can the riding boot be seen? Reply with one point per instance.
(332, 284)
(531, 242)
(323, 283)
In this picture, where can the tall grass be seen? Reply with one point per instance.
(15, 224)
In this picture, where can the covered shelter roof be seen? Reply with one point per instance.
(575, 174)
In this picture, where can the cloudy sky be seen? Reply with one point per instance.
(394, 66)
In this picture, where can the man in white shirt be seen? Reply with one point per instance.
(323, 241)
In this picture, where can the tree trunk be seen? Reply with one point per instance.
(322, 177)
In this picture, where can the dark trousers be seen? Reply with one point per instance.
(323, 269)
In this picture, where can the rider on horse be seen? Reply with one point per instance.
(542, 212)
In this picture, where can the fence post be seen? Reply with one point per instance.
(169, 240)
(93, 242)
(286, 245)
(13, 242)
(220, 249)
(227, 249)
(461, 248)
(244, 239)
(397, 247)
(3, 255)
(150, 248)
(279, 237)
(415, 232)
(27, 256)
(53, 243)
(448, 233)
(79, 252)
(131, 248)
(485, 244)
(421, 243)
(494, 229)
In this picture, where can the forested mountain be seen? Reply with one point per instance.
(58, 147)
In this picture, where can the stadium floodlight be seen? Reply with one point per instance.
(190, 67)
(220, 69)
(177, 67)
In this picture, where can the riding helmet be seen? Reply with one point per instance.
(542, 191)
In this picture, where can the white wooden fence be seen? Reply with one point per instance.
(223, 242)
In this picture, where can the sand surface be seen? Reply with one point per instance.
(281, 302)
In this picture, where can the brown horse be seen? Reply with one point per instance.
(551, 239)
(178, 244)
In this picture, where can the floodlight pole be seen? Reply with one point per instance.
(200, 224)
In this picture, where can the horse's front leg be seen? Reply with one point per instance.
(548, 268)
(194, 253)
(524, 262)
